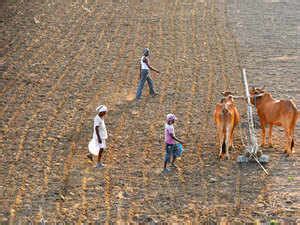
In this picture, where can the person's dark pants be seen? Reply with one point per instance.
(170, 152)
(145, 76)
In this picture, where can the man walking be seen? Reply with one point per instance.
(145, 75)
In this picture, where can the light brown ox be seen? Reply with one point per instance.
(272, 112)
(226, 117)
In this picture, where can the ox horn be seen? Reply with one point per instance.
(259, 95)
(226, 93)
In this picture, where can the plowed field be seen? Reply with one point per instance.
(61, 59)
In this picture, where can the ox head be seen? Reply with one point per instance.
(256, 94)
(256, 91)
(230, 96)
(227, 97)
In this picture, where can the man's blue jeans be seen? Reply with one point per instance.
(145, 77)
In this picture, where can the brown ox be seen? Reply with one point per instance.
(272, 112)
(226, 117)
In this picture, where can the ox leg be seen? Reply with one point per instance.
(221, 142)
(221, 147)
(231, 140)
(270, 136)
(289, 142)
(287, 138)
(292, 133)
(289, 151)
(227, 142)
(263, 128)
(293, 141)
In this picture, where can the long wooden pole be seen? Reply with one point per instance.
(252, 136)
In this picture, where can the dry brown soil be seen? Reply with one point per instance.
(60, 59)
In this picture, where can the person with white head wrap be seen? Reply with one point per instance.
(170, 140)
(101, 108)
(145, 75)
(98, 143)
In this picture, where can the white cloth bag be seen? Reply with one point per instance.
(95, 146)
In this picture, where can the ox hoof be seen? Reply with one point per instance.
(227, 157)
(290, 152)
(262, 145)
(271, 145)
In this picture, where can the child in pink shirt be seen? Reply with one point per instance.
(170, 140)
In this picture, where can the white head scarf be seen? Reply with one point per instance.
(101, 108)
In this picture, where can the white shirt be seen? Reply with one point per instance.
(102, 128)
(143, 64)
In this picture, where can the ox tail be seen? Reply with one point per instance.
(224, 139)
(224, 147)
(292, 128)
(225, 111)
(292, 144)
